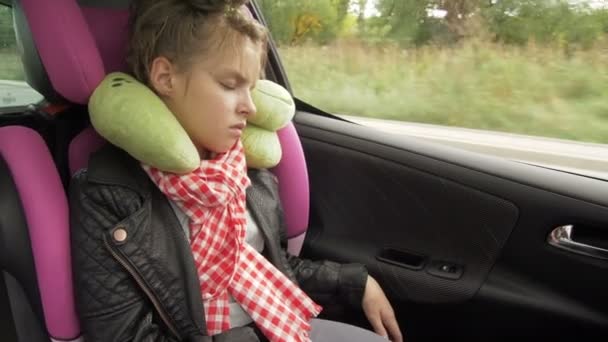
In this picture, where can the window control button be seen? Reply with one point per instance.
(444, 269)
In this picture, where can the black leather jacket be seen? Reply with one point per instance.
(143, 285)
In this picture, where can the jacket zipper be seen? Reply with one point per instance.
(163, 315)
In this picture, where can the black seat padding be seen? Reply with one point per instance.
(22, 315)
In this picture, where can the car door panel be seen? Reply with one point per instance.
(417, 214)
(384, 200)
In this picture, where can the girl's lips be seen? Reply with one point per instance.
(240, 126)
(237, 130)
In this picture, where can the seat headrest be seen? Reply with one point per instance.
(57, 34)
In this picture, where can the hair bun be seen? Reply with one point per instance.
(214, 5)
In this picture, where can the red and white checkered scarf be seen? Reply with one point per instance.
(213, 197)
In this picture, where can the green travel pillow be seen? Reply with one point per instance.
(131, 116)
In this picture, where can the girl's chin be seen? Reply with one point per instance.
(210, 153)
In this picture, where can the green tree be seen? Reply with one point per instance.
(404, 20)
(463, 17)
(295, 21)
(557, 22)
(341, 9)
(361, 17)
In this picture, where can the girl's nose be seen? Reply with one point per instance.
(247, 106)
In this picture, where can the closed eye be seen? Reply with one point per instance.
(228, 85)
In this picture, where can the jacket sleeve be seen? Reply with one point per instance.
(325, 281)
(328, 282)
(110, 304)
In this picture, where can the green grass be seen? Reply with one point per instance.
(532, 90)
(10, 66)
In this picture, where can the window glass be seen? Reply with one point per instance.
(529, 67)
(14, 91)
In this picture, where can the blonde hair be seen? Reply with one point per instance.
(181, 30)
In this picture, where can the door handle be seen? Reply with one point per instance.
(561, 237)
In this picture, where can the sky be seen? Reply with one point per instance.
(593, 3)
(370, 8)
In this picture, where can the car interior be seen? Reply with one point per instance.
(463, 244)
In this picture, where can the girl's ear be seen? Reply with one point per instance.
(162, 76)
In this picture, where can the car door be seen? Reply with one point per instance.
(464, 244)
(460, 241)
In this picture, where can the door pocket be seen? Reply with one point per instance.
(402, 258)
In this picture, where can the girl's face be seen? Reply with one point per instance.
(211, 100)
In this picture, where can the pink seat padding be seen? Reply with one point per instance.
(293, 182)
(66, 47)
(81, 148)
(46, 211)
(111, 39)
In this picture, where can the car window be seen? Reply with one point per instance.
(470, 73)
(15, 94)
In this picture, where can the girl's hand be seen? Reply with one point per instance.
(379, 311)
